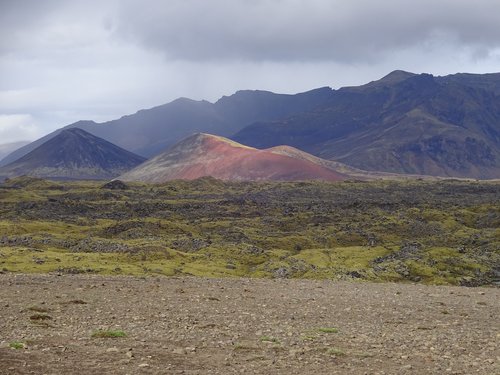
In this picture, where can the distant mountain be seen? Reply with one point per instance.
(7, 148)
(150, 131)
(403, 123)
(203, 155)
(74, 154)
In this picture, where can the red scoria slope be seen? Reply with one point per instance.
(207, 155)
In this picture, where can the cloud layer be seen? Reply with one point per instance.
(62, 61)
(300, 30)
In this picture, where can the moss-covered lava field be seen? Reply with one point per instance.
(437, 232)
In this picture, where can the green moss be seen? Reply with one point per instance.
(17, 345)
(328, 330)
(212, 228)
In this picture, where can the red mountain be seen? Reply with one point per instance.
(207, 155)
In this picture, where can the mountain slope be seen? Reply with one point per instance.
(404, 123)
(207, 155)
(74, 154)
(150, 131)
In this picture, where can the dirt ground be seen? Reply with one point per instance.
(241, 326)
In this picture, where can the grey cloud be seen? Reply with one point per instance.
(63, 61)
(301, 30)
(32, 28)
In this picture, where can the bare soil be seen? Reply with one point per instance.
(233, 326)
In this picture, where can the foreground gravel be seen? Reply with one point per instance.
(241, 326)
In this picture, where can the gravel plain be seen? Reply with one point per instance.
(244, 326)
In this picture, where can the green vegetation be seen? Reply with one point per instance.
(437, 232)
(17, 345)
(269, 339)
(109, 334)
(328, 330)
(335, 351)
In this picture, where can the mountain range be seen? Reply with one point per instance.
(151, 131)
(73, 154)
(403, 123)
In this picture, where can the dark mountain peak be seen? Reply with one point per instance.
(396, 76)
(393, 78)
(423, 83)
(79, 137)
(252, 92)
(244, 95)
(83, 123)
(74, 153)
(79, 124)
(187, 101)
(75, 132)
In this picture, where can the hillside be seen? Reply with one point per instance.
(73, 154)
(404, 123)
(202, 155)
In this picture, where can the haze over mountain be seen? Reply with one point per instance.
(7, 148)
(203, 155)
(73, 154)
(403, 123)
(150, 131)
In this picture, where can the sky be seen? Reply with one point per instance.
(67, 60)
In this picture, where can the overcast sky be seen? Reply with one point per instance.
(65, 60)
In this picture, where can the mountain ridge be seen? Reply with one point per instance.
(402, 123)
(150, 131)
(418, 125)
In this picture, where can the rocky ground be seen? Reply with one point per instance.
(229, 326)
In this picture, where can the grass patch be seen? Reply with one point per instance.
(308, 338)
(17, 345)
(102, 334)
(335, 351)
(269, 339)
(328, 330)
